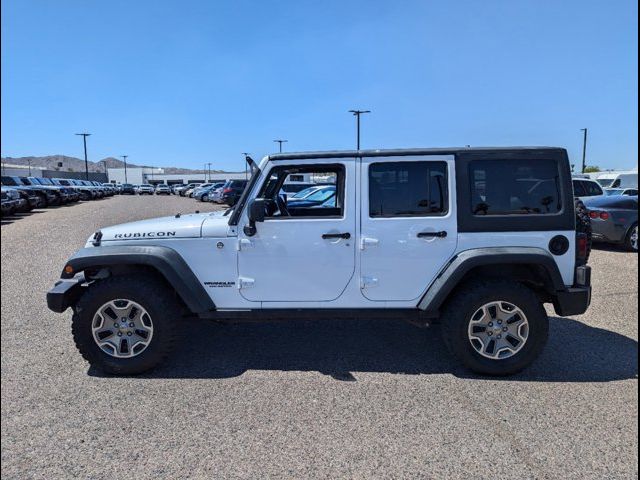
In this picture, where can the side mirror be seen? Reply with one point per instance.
(256, 214)
(256, 210)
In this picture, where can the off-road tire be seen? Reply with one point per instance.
(628, 245)
(459, 310)
(583, 224)
(151, 295)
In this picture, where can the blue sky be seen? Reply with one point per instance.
(181, 83)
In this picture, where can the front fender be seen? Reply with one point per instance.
(166, 261)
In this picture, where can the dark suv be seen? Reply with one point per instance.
(232, 190)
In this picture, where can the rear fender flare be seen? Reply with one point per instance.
(456, 270)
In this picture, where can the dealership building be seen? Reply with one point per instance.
(155, 176)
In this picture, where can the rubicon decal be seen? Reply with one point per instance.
(145, 235)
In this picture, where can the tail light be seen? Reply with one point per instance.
(582, 246)
(595, 214)
(227, 190)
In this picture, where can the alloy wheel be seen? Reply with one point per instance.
(498, 330)
(122, 328)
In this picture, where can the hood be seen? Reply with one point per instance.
(184, 226)
(193, 225)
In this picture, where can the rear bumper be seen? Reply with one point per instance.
(65, 293)
(575, 300)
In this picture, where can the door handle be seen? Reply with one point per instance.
(441, 234)
(327, 236)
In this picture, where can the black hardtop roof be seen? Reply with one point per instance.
(398, 152)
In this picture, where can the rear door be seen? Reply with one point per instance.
(409, 229)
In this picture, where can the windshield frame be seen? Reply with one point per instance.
(239, 206)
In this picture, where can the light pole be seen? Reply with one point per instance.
(209, 170)
(86, 162)
(357, 113)
(29, 160)
(246, 154)
(280, 142)
(584, 150)
(124, 157)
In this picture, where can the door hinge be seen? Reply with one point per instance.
(368, 282)
(368, 242)
(244, 282)
(244, 243)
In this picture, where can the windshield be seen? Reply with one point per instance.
(305, 192)
(45, 181)
(9, 181)
(322, 195)
(605, 182)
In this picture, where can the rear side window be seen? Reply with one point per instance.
(578, 189)
(592, 189)
(408, 189)
(515, 187)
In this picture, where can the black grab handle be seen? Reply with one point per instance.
(442, 234)
(346, 236)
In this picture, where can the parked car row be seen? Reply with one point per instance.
(227, 192)
(585, 188)
(22, 194)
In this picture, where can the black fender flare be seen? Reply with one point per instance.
(165, 260)
(465, 261)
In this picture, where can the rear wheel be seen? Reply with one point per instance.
(125, 325)
(631, 241)
(495, 327)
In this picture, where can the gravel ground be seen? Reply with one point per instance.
(304, 399)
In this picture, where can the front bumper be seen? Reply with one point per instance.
(575, 300)
(65, 293)
(9, 206)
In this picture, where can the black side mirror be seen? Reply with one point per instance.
(256, 214)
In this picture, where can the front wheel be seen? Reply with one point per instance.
(631, 241)
(125, 325)
(495, 327)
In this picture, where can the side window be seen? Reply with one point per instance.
(616, 184)
(592, 189)
(326, 201)
(515, 187)
(408, 189)
(578, 189)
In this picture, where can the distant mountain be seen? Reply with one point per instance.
(73, 164)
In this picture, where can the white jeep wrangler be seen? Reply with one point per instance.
(475, 239)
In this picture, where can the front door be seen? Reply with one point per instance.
(305, 249)
(409, 227)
